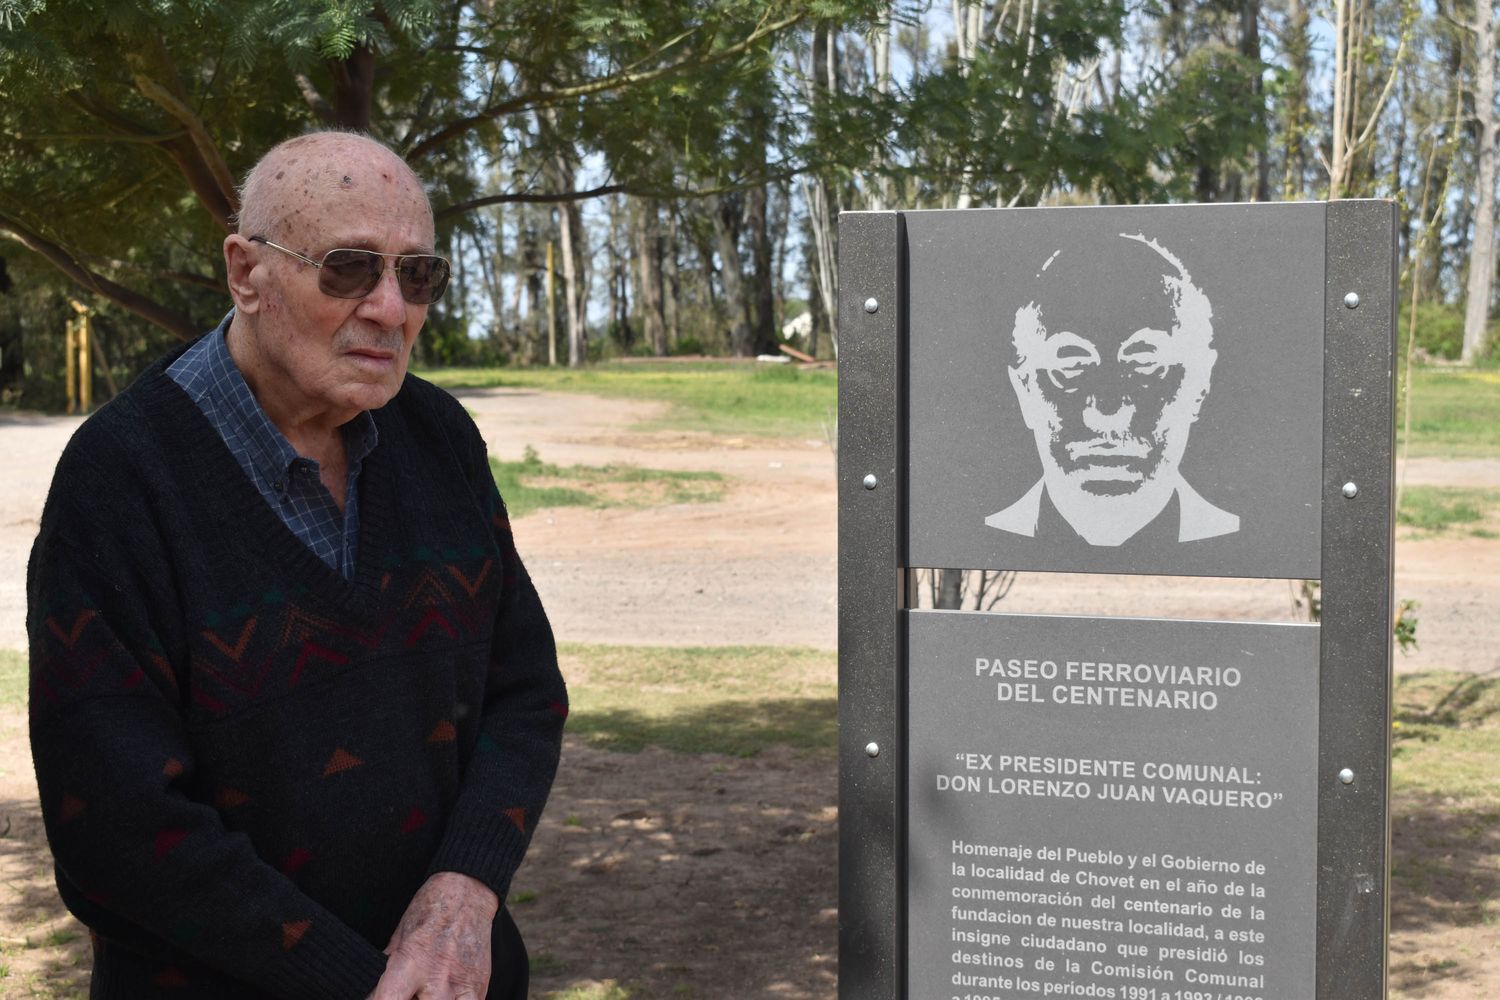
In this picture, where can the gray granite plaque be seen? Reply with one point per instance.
(1111, 808)
(1117, 390)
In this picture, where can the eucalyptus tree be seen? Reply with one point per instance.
(126, 125)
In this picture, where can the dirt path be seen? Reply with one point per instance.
(760, 567)
(659, 870)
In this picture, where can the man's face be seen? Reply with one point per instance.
(1113, 359)
(318, 353)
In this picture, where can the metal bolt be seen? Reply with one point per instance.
(872, 749)
(870, 481)
(1351, 490)
(872, 304)
(1351, 301)
(1346, 776)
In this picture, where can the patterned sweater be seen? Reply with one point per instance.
(248, 764)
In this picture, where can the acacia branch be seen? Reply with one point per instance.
(555, 197)
(177, 145)
(315, 100)
(547, 98)
(530, 198)
(150, 310)
(219, 197)
(97, 137)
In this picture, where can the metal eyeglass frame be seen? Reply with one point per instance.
(374, 253)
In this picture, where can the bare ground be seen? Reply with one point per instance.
(715, 877)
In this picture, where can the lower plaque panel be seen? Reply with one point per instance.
(1111, 808)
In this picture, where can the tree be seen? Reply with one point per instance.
(148, 113)
(1487, 126)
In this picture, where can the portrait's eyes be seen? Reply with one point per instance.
(1069, 356)
(1144, 353)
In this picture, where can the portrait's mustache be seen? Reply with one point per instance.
(392, 343)
(1122, 446)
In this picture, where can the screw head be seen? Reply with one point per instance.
(1351, 301)
(872, 304)
(872, 749)
(870, 481)
(1346, 776)
(1351, 490)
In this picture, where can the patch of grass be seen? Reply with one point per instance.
(532, 484)
(724, 699)
(12, 678)
(609, 990)
(1437, 508)
(1447, 738)
(732, 398)
(1454, 413)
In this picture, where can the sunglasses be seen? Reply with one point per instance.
(352, 274)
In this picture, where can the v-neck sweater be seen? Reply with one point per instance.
(247, 763)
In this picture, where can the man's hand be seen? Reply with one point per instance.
(441, 949)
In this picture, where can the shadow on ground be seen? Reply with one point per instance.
(44, 951)
(1445, 880)
(685, 875)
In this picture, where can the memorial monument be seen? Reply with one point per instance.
(1090, 806)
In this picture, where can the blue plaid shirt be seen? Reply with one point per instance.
(287, 481)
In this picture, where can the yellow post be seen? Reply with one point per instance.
(70, 356)
(85, 369)
(80, 384)
(551, 312)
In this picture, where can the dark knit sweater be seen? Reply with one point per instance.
(247, 764)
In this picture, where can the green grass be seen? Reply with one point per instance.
(1447, 737)
(1455, 413)
(719, 397)
(532, 484)
(12, 678)
(1434, 509)
(725, 699)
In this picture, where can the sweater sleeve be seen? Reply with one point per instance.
(141, 856)
(525, 704)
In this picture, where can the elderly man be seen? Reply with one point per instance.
(1113, 356)
(295, 706)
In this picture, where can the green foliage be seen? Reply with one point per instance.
(1440, 330)
(531, 484)
(1406, 625)
(715, 396)
(723, 699)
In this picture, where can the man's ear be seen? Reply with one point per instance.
(240, 260)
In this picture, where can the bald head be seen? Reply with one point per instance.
(322, 171)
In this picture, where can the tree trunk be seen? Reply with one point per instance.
(726, 219)
(1250, 49)
(1482, 256)
(571, 238)
(763, 286)
(353, 89)
(949, 589)
(1298, 61)
(672, 278)
(648, 257)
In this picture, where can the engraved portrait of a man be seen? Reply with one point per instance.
(1113, 356)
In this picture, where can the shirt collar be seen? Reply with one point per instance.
(224, 389)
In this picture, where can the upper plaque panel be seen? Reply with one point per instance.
(1117, 390)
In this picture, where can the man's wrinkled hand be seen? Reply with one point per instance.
(441, 949)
